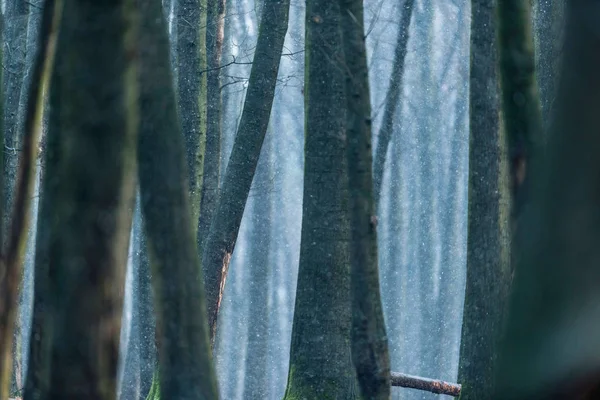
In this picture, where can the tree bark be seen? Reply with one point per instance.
(391, 99)
(212, 161)
(93, 124)
(185, 361)
(12, 254)
(15, 49)
(488, 240)
(547, 26)
(369, 340)
(320, 355)
(552, 347)
(244, 156)
(191, 64)
(426, 384)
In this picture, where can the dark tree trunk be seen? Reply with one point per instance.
(320, 354)
(92, 125)
(212, 161)
(244, 156)
(520, 101)
(552, 345)
(369, 341)
(488, 238)
(146, 312)
(547, 24)
(185, 360)
(391, 99)
(191, 64)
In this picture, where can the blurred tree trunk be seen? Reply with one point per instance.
(552, 346)
(256, 382)
(215, 29)
(391, 99)
(93, 126)
(320, 355)
(185, 360)
(520, 99)
(497, 191)
(225, 224)
(191, 66)
(488, 239)
(369, 341)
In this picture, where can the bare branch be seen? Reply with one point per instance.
(425, 384)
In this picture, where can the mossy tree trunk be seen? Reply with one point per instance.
(185, 361)
(552, 344)
(488, 239)
(93, 124)
(226, 220)
(370, 352)
(320, 355)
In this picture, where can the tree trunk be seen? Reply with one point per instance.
(185, 360)
(391, 99)
(15, 50)
(12, 254)
(320, 354)
(93, 126)
(191, 64)
(244, 156)
(146, 313)
(210, 188)
(488, 238)
(256, 382)
(552, 345)
(369, 341)
(520, 101)
(547, 25)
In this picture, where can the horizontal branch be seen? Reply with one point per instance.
(426, 384)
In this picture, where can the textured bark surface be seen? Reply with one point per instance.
(185, 360)
(15, 50)
(226, 221)
(215, 29)
(191, 85)
(488, 238)
(370, 352)
(548, 18)
(552, 345)
(320, 355)
(391, 99)
(93, 122)
(12, 255)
